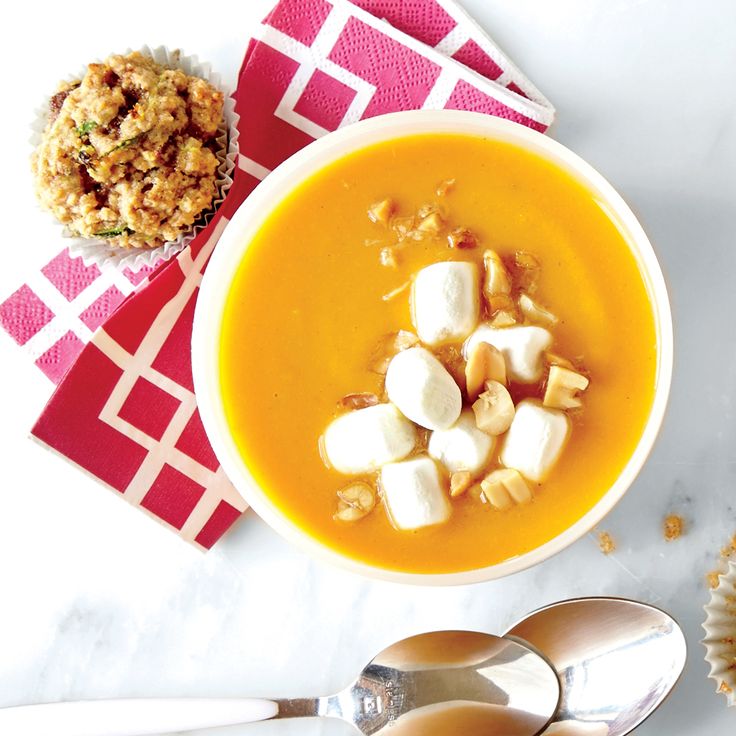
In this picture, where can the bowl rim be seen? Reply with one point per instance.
(251, 215)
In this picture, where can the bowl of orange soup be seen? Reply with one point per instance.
(434, 347)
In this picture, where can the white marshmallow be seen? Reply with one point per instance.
(463, 446)
(423, 389)
(413, 494)
(535, 440)
(363, 440)
(444, 301)
(522, 347)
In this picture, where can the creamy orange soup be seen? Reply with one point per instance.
(305, 313)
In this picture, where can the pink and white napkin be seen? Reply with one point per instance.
(117, 343)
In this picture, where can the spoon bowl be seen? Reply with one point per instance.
(617, 660)
(437, 684)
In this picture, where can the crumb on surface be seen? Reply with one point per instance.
(674, 527)
(606, 543)
(724, 688)
(713, 577)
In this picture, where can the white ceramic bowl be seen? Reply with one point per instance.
(255, 210)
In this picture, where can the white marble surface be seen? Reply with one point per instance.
(97, 601)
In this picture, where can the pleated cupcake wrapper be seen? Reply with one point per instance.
(106, 255)
(720, 634)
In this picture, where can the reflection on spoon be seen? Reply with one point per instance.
(617, 660)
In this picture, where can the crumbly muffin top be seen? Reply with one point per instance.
(128, 152)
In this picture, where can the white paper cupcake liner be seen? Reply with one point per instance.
(101, 252)
(720, 634)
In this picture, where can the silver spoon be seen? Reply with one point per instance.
(617, 660)
(437, 684)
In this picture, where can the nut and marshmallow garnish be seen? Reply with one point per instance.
(535, 440)
(462, 392)
(463, 446)
(413, 493)
(363, 440)
(444, 301)
(505, 487)
(420, 386)
(523, 347)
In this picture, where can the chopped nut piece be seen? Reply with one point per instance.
(494, 409)
(388, 346)
(405, 339)
(502, 318)
(713, 579)
(432, 223)
(724, 687)
(462, 238)
(505, 487)
(554, 359)
(527, 269)
(354, 502)
(562, 387)
(451, 357)
(534, 312)
(402, 226)
(674, 526)
(357, 401)
(460, 482)
(497, 279)
(380, 212)
(485, 363)
(496, 283)
(606, 543)
(427, 209)
(476, 492)
(387, 256)
(445, 186)
(395, 292)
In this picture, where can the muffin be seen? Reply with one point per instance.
(128, 155)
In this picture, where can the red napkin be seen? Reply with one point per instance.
(125, 409)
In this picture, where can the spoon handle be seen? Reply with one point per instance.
(138, 717)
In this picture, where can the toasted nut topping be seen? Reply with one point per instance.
(388, 346)
(534, 312)
(494, 409)
(405, 339)
(357, 401)
(502, 318)
(485, 363)
(432, 223)
(505, 487)
(562, 387)
(426, 210)
(526, 261)
(462, 238)
(354, 502)
(460, 482)
(476, 492)
(380, 212)
(497, 279)
(527, 269)
(402, 226)
(445, 186)
(387, 256)
(451, 357)
(554, 359)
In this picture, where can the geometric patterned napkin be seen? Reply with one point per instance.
(118, 343)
